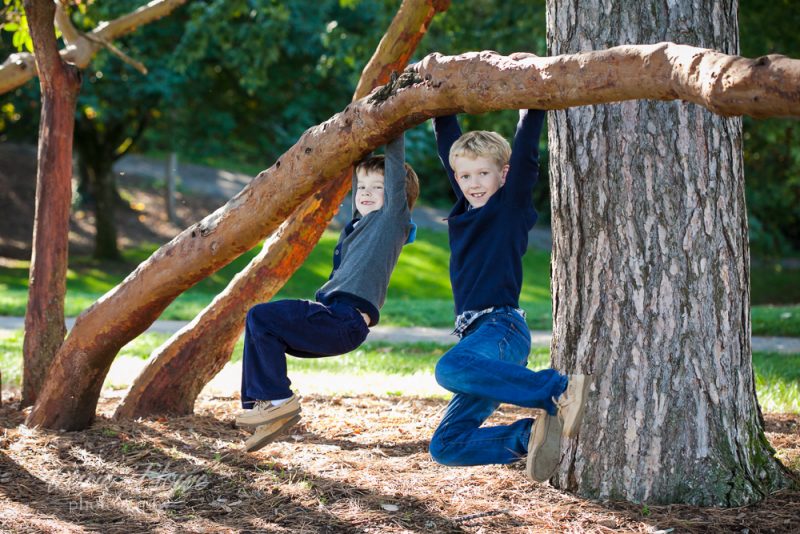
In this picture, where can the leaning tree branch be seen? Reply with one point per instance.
(475, 82)
(19, 68)
(202, 348)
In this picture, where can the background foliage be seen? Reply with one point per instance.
(234, 83)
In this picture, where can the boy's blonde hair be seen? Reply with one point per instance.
(481, 144)
(378, 164)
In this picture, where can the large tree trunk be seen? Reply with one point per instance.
(44, 316)
(437, 86)
(650, 277)
(180, 368)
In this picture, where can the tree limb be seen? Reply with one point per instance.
(184, 364)
(19, 68)
(476, 82)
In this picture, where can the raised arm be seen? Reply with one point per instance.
(447, 132)
(394, 175)
(523, 170)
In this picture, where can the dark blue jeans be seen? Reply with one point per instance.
(301, 328)
(486, 368)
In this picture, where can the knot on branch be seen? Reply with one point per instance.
(408, 78)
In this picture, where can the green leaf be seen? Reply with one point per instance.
(28, 42)
(11, 27)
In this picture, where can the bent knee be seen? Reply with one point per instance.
(447, 371)
(442, 453)
(260, 315)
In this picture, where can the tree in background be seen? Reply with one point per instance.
(44, 315)
(59, 83)
(772, 148)
(650, 282)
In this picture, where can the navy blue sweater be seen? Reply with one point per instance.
(487, 243)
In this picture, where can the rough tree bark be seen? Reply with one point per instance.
(474, 82)
(184, 364)
(44, 315)
(17, 69)
(650, 276)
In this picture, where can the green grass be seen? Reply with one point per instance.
(776, 320)
(419, 293)
(778, 381)
(777, 375)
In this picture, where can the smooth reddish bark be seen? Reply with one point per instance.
(180, 368)
(439, 85)
(44, 315)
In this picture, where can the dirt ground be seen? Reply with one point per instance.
(353, 464)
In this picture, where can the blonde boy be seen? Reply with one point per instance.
(488, 228)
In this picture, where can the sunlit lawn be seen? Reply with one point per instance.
(419, 294)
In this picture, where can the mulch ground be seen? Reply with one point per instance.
(353, 464)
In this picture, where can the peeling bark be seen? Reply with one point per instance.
(184, 364)
(44, 314)
(650, 267)
(473, 82)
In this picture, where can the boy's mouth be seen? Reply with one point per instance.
(478, 195)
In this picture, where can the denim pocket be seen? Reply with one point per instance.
(515, 344)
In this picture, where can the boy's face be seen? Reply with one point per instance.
(479, 178)
(369, 192)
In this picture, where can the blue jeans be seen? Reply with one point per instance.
(301, 328)
(486, 368)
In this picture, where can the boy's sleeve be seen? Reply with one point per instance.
(523, 170)
(447, 132)
(394, 175)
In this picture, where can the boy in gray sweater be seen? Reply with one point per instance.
(384, 191)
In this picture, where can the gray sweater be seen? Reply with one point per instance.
(369, 246)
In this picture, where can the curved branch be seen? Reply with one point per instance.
(201, 349)
(476, 82)
(19, 68)
(409, 25)
(69, 32)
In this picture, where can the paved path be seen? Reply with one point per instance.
(401, 334)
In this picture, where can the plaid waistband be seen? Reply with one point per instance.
(470, 316)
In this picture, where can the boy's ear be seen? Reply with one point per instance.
(503, 173)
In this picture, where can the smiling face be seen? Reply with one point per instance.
(479, 178)
(369, 192)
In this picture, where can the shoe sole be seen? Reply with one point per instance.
(250, 425)
(269, 438)
(571, 429)
(543, 460)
